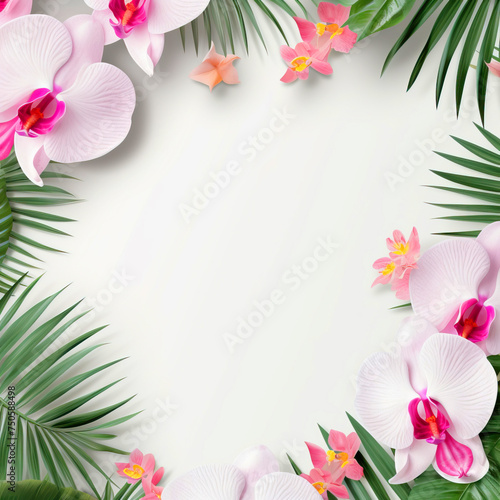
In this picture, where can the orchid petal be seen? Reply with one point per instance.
(103, 17)
(447, 275)
(97, 4)
(7, 131)
(289, 77)
(168, 15)
(15, 9)
(288, 53)
(254, 464)
(31, 156)
(494, 67)
(88, 45)
(462, 380)
(489, 239)
(383, 394)
(99, 107)
(32, 50)
(353, 444)
(209, 482)
(136, 457)
(284, 486)
(330, 13)
(228, 72)
(145, 48)
(453, 458)
(413, 461)
(322, 67)
(307, 29)
(479, 467)
(157, 476)
(337, 441)
(344, 42)
(318, 455)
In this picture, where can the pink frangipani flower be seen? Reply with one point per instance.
(58, 101)
(142, 24)
(140, 467)
(325, 482)
(456, 288)
(430, 401)
(300, 59)
(12, 9)
(331, 31)
(494, 67)
(216, 68)
(402, 260)
(253, 476)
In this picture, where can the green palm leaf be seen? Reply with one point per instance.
(473, 26)
(40, 490)
(51, 436)
(484, 187)
(226, 18)
(20, 212)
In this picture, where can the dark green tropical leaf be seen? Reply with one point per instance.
(40, 490)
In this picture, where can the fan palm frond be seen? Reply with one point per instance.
(22, 205)
(48, 434)
(225, 18)
(477, 187)
(473, 25)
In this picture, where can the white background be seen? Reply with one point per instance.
(331, 173)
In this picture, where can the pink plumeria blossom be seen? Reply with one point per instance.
(494, 67)
(216, 68)
(140, 467)
(429, 401)
(142, 24)
(12, 9)
(58, 101)
(300, 59)
(331, 32)
(151, 488)
(253, 476)
(402, 260)
(325, 482)
(456, 287)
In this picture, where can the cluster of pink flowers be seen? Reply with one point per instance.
(396, 269)
(333, 465)
(141, 467)
(318, 40)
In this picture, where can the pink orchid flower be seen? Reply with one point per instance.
(402, 260)
(494, 67)
(456, 288)
(430, 401)
(142, 24)
(12, 9)
(253, 476)
(140, 467)
(300, 59)
(325, 482)
(58, 101)
(216, 68)
(342, 453)
(151, 488)
(331, 31)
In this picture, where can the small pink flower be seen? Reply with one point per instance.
(11, 9)
(216, 68)
(139, 468)
(325, 482)
(300, 59)
(331, 31)
(151, 488)
(402, 260)
(494, 67)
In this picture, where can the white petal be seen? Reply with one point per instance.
(87, 36)
(462, 380)
(97, 4)
(284, 486)
(32, 49)
(103, 17)
(413, 461)
(210, 482)
(98, 115)
(255, 463)
(382, 397)
(145, 48)
(489, 239)
(480, 465)
(31, 156)
(491, 346)
(14, 9)
(447, 275)
(168, 15)
(414, 331)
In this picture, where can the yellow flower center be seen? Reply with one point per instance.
(135, 473)
(389, 269)
(300, 63)
(320, 487)
(401, 248)
(333, 29)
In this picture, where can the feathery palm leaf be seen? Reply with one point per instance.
(484, 189)
(225, 18)
(35, 362)
(473, 24)
(22, 205)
